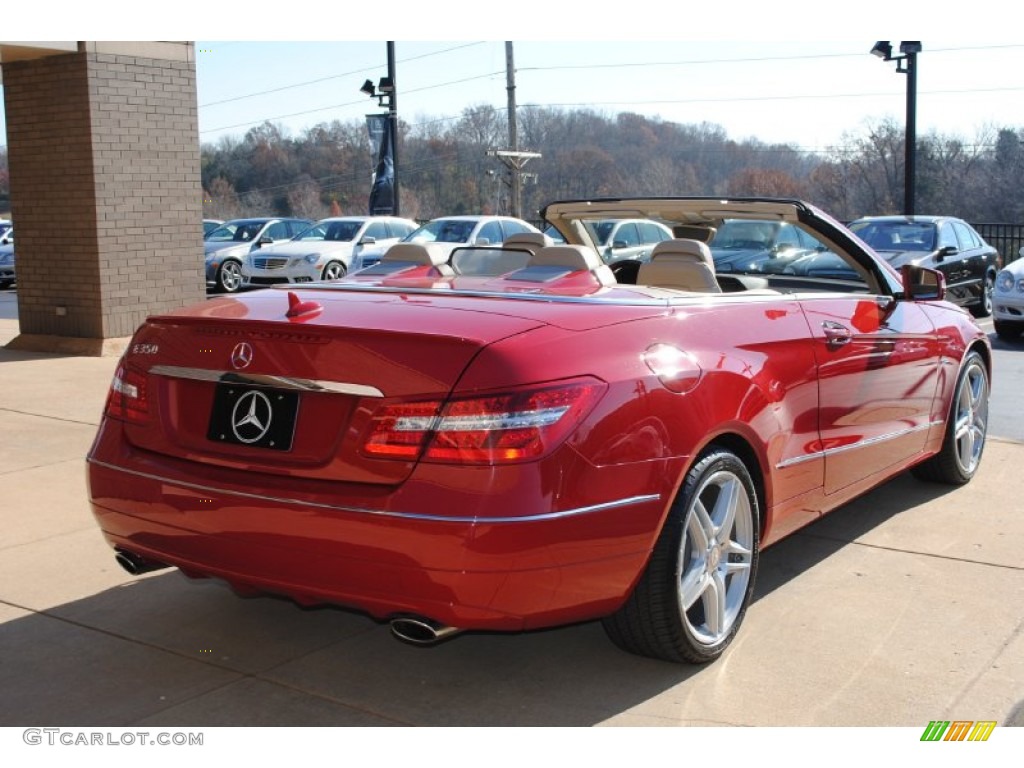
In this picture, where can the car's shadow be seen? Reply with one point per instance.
(162, 650)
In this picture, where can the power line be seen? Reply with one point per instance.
(349, 103)
(360, 71)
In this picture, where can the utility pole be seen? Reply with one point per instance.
(513, 131)
(513, 158)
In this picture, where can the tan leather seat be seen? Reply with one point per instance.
(682, 264)
(578, 258)
(420, 254)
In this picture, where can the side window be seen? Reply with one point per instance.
(947, 237)
(626, 235)
(513, 228)
(400, 229)
(377, 230)
(651, 233)
(278, 231)
(491, 231)
(968, 239)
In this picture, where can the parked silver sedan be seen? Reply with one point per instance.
(324, 251)
(229, 243)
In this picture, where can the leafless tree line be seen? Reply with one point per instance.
(444, 168)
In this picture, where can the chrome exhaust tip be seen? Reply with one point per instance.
(418, 630)
(136, 565)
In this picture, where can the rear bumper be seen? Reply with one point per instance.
(548, 568)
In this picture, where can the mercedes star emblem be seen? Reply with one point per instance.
(250, 418)
(241, 355)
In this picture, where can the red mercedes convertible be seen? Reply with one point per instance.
(514, 437)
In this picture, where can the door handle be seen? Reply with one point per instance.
(836, 334)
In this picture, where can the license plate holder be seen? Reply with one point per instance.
(254, 416)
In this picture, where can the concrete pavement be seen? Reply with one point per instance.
(904, 607)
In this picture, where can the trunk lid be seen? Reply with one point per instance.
(323, 374)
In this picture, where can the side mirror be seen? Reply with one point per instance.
(482, 241)
(368, 240)
(948, 250)
(619, 244)
(923, 284)
(265, 240)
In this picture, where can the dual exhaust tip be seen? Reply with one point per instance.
(416, 630)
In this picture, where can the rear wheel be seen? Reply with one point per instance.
(960, 455)
(984, 306)
(333, 271)
(692, 597)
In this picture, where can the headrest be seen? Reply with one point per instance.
(576, 257)
(683, 250)
(424, 254)
(528, 241)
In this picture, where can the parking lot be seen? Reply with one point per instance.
(901, 608)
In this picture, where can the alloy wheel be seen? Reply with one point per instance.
(714, 565)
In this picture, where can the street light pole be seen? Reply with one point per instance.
(393, 117)
(911, 142)
(909, 50)
(387, 162)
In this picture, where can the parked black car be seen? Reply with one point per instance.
(945, 243)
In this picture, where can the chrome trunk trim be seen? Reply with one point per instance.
(262, 380)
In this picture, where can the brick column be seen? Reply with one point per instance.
(103, 151)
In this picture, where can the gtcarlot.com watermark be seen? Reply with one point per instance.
(71, 738)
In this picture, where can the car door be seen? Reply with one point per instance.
(877, 364)
(953, 262)
(974, 255)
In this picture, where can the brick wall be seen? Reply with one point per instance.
(103, 152)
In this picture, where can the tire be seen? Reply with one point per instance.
(333, 270)
(705, 558)
(966, 428)
(229, 276)
(984, 306)
(1007, 331)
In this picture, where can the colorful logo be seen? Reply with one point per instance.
(958, 730)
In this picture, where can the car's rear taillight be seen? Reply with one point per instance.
(128, 399)
(498, 428)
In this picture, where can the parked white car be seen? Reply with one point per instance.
(451, 232)
(1008, 300)
(324, 251)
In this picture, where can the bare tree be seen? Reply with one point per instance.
(304, 200)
